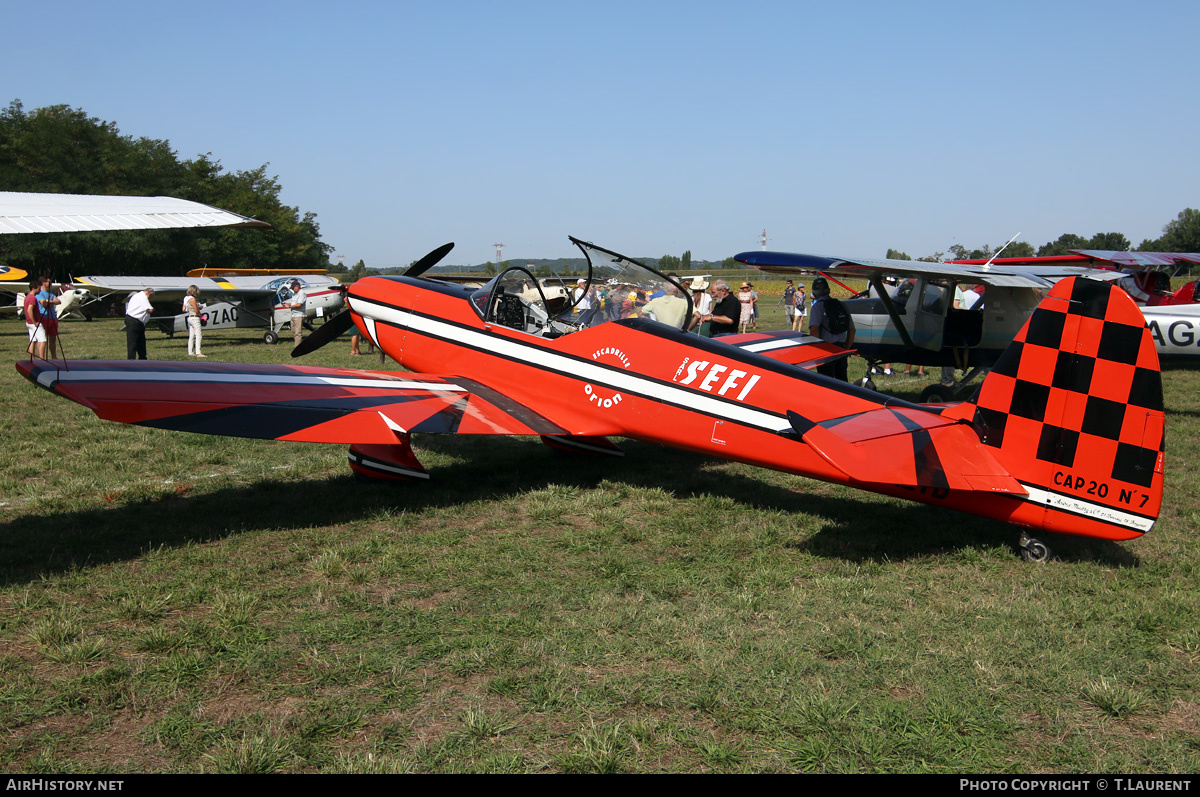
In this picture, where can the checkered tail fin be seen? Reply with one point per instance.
(1074, 411)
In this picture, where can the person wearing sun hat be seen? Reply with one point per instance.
(746, 298)
(701, 308)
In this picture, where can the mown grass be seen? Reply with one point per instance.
(185, 603)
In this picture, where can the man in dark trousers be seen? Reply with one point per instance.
(825, 321)
(137, 313)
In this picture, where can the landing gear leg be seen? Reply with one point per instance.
(1033, 549)
(959, 391)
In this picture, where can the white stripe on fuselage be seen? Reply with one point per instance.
(575, 368)
(48, 377)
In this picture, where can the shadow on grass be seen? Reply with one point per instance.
(857, 529)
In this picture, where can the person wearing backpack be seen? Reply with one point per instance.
(831, 322)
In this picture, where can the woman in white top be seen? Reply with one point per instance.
(191, 306)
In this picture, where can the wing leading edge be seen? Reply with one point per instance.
(1014, 276)
(280, 402)
(25, 213)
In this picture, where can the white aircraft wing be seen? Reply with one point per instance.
(1043, 276)
(28, 213)
(232, 289)
(169, 286)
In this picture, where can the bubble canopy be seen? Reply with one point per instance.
(616, 287)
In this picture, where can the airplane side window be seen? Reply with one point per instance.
(902, 295)
(934, 299)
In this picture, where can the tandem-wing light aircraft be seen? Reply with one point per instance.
(1066, 434)
(244, 300)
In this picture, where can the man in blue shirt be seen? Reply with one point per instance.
(48, 300)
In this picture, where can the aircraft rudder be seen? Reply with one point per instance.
(1074, 410)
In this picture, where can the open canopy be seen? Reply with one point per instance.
(616, 287)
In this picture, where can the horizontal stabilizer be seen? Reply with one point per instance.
(910, 448)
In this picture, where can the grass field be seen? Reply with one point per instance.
(179, 603)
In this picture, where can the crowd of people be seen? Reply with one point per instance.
(716, 310)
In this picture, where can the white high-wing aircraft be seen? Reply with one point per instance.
(23, 212)
(1173, 317)
(919, 320)
(243, 300)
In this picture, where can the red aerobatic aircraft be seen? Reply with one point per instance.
(1064, 435)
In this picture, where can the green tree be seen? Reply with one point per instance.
(685, 260)
(1018, 249)
(1063, 245)
(358, 271)
(1110, 241)
(896, 254)
(59, 149)
(668, 263)
(1181, 234)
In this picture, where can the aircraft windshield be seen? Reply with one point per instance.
(283, 288)
(620, 287)
(616, 287)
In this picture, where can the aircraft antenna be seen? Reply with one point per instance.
(1001, 249)
(499, 253)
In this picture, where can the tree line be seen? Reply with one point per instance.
(1181, 234)
(60, 149)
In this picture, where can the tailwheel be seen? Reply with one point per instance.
(1034, 550)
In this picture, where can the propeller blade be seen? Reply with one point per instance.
(429, 261)
(326, 333)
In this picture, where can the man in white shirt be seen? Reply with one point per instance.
(137, 313)
(585, 303)
(296, 304)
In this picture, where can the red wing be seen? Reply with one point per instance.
(909, 448)
(283, 402)
(794, 348)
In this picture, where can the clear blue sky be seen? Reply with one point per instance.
(652, 127)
